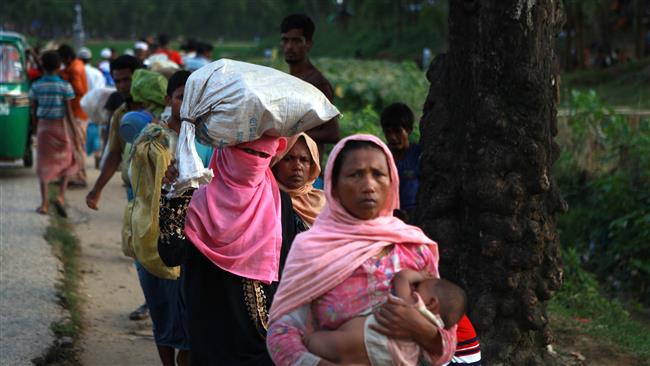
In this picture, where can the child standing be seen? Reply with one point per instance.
(55, 136)
(397, 124)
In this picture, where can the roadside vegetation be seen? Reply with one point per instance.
(65, 246)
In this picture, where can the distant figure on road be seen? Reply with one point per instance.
(94, 76)
(141, 50)
(202, 58)
(105, 65)
(95, 80)
(297, 31)
(163, 47)
(75, 73)
(51, 107)
(122, 69)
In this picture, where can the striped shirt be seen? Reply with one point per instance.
(468, 349)
(51, 92)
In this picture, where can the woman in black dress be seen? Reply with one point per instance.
(232, 237)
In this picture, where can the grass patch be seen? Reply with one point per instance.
(620, 85)
(65, 246)
(581, 303)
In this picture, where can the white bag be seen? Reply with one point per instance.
(93, 104)
(191, 172)
(233, 102)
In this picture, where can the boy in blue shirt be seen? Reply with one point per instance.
(55, 135)
(397, 124)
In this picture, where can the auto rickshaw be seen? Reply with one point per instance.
(15, 139)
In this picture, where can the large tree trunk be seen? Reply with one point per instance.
(639, 29)
(487, 195)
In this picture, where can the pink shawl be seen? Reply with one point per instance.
(338, 243)
(235, 219)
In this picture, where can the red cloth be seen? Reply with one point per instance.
(75, 74)
(33, 73)
(172, 55)
(468, 349)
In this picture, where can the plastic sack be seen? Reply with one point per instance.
(133, 123)
(150, 88)
(191, 172)
(93, 104)
(233, 102)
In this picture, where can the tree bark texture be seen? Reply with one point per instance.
(486, 195)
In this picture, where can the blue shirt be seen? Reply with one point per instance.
(51, 92)
(409, 180)
(205, 152)
(195, 63)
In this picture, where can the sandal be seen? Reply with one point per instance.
(41, 210)
(60, 209)
(141, 313)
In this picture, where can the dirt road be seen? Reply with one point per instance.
(28, 271)
(110, 284)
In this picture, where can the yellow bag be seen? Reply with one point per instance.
(151, 155)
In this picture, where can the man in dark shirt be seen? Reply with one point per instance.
(296, 40)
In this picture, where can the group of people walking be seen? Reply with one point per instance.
(275, 261)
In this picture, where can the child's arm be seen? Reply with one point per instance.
(402, 283)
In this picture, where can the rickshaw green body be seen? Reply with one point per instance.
(14, 99)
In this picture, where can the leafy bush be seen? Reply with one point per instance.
(360, 83)
(363, 88)
(580, 304)
(604, 171)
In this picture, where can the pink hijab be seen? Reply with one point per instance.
(338, 243)
(235, 219)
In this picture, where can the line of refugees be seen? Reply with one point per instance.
(260, 266)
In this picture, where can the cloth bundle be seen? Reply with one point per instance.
(231, 102)
(93, 104)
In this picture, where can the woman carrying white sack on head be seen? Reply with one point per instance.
(233, 234)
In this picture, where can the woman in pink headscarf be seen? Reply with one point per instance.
(343, 266)
(236, 236)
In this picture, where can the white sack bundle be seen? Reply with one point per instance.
(93, 104)
(191, 172)
(232, 102)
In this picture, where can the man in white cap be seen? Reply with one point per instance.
(105, 65)
(141, 50)
(94, 77)
(95, 80)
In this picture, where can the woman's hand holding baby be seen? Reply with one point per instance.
(399, 320)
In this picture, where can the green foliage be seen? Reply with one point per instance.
(358, 83)
(363, 88)
(363, 121)
(604, 172)
(619, 85)
(66, 248)
(581, 304)
(394, 29)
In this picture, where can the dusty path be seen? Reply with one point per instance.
(110, 285)
(28, 271)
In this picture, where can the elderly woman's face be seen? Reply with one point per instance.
(294, 168)
(363, 183)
